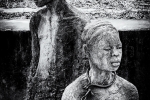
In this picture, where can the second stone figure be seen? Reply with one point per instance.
(103, 48)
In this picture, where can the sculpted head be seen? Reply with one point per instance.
(103, 45)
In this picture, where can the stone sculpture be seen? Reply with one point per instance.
(104, 51)
(56, 49)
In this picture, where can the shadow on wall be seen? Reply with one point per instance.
(135, 61)
(15, 57)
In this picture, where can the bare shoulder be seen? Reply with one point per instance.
(129, 89)
(126, 83)
(74, 90)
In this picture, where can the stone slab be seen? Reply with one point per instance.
(120, 24)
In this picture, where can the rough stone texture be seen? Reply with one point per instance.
(15, 54)
(15, 58)
(118, 9)
(120, 90)
(56, 50)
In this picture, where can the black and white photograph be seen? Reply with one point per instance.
(74, 49)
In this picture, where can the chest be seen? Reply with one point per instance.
(48, 27)
(112, 93)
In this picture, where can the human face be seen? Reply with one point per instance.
(41, 3)
(106, 53)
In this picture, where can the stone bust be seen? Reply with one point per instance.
(104, 51)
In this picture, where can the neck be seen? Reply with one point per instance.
(60, 7)
(100, 77)
(52, 5)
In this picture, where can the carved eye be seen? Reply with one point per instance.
(119, 47)
(107, 48)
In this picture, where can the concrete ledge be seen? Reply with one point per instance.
(130, 24)
(14, 25)
(120, 24)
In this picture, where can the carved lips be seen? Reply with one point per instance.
(115, 63)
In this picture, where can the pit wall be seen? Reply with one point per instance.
(15, 57)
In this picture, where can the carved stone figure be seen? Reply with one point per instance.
(56, 49)
(104, 51)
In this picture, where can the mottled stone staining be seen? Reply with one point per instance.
(56, 49)
(47, 32)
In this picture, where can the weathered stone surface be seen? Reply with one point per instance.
(120, 90)
(133, 49)
(104, 52)
(118, 9)
(56, 50)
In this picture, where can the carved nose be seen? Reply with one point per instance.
(115, 52)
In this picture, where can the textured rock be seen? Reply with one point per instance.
(126, 9)
(119, 90)
(56, 50)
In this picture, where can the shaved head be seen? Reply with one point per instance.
(97, 30)
(103, 45)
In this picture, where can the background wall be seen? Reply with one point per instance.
(15, 56)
